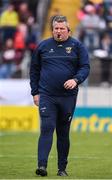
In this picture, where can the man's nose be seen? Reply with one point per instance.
(58, 30)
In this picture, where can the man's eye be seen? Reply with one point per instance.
(61, 29)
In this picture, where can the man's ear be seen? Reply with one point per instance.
(68, 29)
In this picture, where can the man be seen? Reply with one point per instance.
(58, 66)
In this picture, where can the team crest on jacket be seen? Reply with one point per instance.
(68, 49)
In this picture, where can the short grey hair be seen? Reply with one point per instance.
(59, 18)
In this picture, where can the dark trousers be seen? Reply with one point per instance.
(55, 112)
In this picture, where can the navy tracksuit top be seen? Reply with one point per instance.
(54, 62)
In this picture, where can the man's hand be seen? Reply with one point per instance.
(36, 100)
(70, 84)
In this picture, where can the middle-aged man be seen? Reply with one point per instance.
(58, 66)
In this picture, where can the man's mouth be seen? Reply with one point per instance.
(59, 36)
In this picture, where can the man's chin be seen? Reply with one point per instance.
(59, 39)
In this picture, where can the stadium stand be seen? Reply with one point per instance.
(95, 31)
(32, 25)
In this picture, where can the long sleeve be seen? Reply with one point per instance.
(83, 64)
(35, 72)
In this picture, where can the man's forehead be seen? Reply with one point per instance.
(60, 24)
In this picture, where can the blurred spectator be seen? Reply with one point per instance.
(33, 37)
(8, 60)
(19, 45)
(24, 13)
(104, 54)
(79, 29)
(100, 10)
(20, 36)
(92, 24)
(33, 6)
(108, 18)
(80, 14)
(8, 22)
(17, 3)
(27, 19)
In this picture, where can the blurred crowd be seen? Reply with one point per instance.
(21, 27)
(22, 24)
(95, 31)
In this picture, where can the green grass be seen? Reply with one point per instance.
(90, 156)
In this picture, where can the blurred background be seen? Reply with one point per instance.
(23, 24)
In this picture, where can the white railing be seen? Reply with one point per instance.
(17, 92)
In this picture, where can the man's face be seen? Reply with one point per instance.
(60, 31)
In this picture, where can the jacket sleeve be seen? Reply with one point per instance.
(83, 64)
(35, 67)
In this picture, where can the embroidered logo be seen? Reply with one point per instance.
(68, 50)
(43, 109)
(51, 50)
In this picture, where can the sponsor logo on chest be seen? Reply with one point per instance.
(68, 50)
